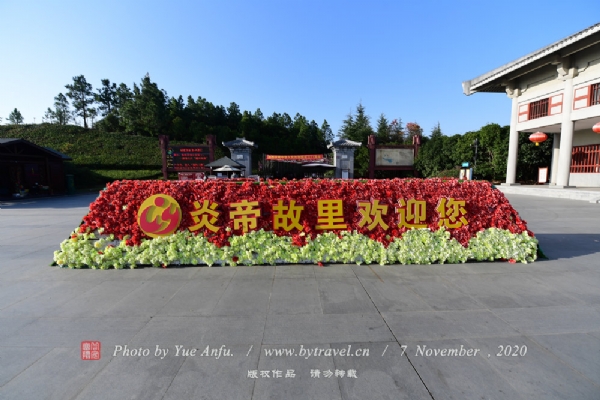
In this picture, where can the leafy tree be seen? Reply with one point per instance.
(357, 128)
(412, 129)
(396, 132)
(383, 130)
(327, 132)
(346, 130)
(436, 132)
(92, 113)
(15, 117)
(80, 92)
(106, 97)
(122, 95)
(531, 157)
(234, 116)
(61, 114)
(431, 158)
(361, 162)
(146, 113)
(362, 125)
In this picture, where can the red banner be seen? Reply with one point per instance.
(296, 158)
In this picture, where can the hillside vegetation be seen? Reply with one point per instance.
(98, 157)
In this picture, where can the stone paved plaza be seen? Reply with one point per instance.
(525, 331)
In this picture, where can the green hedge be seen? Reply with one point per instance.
(98, 157)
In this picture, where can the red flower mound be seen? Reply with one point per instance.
(116, 208)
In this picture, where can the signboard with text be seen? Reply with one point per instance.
(186, 158)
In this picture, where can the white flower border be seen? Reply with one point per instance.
(416, 246)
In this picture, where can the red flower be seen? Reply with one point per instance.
(319, 263)
(116, 208)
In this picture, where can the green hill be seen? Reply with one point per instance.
(98, 157)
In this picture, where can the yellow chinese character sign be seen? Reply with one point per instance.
(204, 216)
(371, 213)
(287, 217)
(330, 215)
(412, 213)
(244, 215)
(452, 213)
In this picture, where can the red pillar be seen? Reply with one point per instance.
(163, 141)
(371, 146)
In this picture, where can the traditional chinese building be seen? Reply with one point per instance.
(556, 91)
(241, 152)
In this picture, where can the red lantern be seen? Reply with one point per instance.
(538, 138)
(596, 128)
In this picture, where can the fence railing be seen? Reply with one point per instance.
(586, 158)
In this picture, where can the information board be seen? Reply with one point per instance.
(187, 158)
(394, 157)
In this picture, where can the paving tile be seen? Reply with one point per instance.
(579, 350)
(548, 320)
(301, 385)
(384, 374)
(133, 378)
(164, 274)
(96, 301)
(537, 374)
(47, 301)
(245, 296)
(327, 328)
(581, 285)
(334, 271)
(344, 296)
(432, 325)
(146, 300)
(203, 377)
(511, 290)
(196, 331)
(295, 296)
(14, 292)
(250, 272)
(70, 332)
(394, 295)
(440, 294)
(195, 298)
(459, 377)
(69, 375)
(15, 360)
(294, 271)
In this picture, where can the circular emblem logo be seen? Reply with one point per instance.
(159, 215)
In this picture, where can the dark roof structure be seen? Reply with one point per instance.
(5, 142)
(239, 142)
(221, 162)
(344, 143)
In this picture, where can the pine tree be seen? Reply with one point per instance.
(383, 130)
(15, 117)
(80, 92)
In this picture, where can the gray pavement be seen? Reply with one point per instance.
(525, 331)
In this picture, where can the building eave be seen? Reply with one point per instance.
(495, 80)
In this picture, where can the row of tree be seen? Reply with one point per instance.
(440, 155)
(485, 149)
(148, 111)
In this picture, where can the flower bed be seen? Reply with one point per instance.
(218, 222)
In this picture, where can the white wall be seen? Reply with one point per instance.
(581, 138)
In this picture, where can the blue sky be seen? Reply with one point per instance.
(405, 59)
